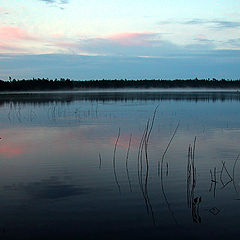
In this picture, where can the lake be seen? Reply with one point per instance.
(120, 165)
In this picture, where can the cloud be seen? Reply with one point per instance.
(3, 11)
(133, 39)
(15, 40)
(123, 44)
(216, 24)
(235, 42)
(204, 40)
(14, 33)
(6, 48)
(55, 1)
(128, 44)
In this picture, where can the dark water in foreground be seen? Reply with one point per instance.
(65, 174)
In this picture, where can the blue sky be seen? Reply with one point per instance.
(131, 39)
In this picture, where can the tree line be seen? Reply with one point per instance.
(67, 84)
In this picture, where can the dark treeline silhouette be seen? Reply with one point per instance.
(67, 84)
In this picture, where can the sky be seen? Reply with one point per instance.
(119, 39)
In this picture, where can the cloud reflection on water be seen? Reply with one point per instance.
(50, 188)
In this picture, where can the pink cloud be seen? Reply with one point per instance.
(135, 39)
(65, 44)
(125, 35)
(105, 44)
(14, 33)
(128, 43)
(6, 48)
(13, 39)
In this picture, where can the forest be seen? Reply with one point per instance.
(45, 84)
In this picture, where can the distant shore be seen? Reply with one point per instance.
(70, 85)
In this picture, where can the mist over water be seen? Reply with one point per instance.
(120, 165)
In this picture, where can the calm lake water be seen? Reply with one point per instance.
(120, 165)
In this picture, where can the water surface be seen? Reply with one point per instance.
(102, 164)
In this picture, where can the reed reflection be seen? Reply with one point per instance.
(127, 157)
(193, 202)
